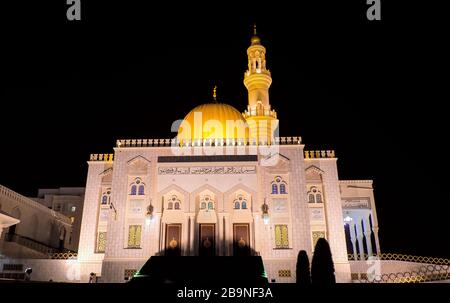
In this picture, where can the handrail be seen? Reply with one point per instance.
(30, 243)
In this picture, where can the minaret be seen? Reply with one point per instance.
(262, 120)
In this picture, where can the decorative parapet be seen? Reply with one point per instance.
(263, 113)
(401, 257)
(426, 273)
(63, 256)
(319, 154)
(22, 200)
(428, 269)
(355, 181)
(206, 142)
(102, 157)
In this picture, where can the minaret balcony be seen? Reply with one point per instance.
(256, 113)
(257, 71)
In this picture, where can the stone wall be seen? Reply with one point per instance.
(47, 269)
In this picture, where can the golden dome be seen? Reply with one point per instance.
(255, 40)
(213, 121)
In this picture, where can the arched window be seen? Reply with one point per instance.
(244, 204)
(318, 198)
(137, 187)
(283, 188)
(206, 203)
(237, 205)
(141, 191)
(133, 190)
(106, 197)
(314, 195)
(274, 189)
(174, 203)
(279, 186)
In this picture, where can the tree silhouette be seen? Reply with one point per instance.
(302, 270)
(322, 267)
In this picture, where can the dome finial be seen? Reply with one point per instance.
(215, 93)
(255, 39)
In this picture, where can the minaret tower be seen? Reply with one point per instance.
(262, 120)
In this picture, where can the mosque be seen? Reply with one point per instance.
(227, 185)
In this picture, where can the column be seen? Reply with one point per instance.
(353, 240)
(185, 236)
(228, 236)
(360, 237)
(377, 241)
(154, 234)
(219, 241)
(191, 234)
(256, 229)
(162, 234)
(367, 234)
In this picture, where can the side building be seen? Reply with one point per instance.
(38, 232)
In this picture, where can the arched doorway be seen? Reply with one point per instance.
(207, 240)
(241, 239)
(173, 240)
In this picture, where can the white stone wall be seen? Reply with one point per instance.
(113, 271)
(335, 232)
(274, 266)
(291, 166)
(47, 269)
(88, 236)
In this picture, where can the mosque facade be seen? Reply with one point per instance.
(226, 185)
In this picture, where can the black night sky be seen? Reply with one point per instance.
(373, 91)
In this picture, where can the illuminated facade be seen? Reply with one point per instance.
(226, 185)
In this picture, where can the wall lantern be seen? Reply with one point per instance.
(265, 212)
(149, 214)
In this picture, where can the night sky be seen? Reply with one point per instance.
(373, 91)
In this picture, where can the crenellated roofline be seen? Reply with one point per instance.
(206, 142)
